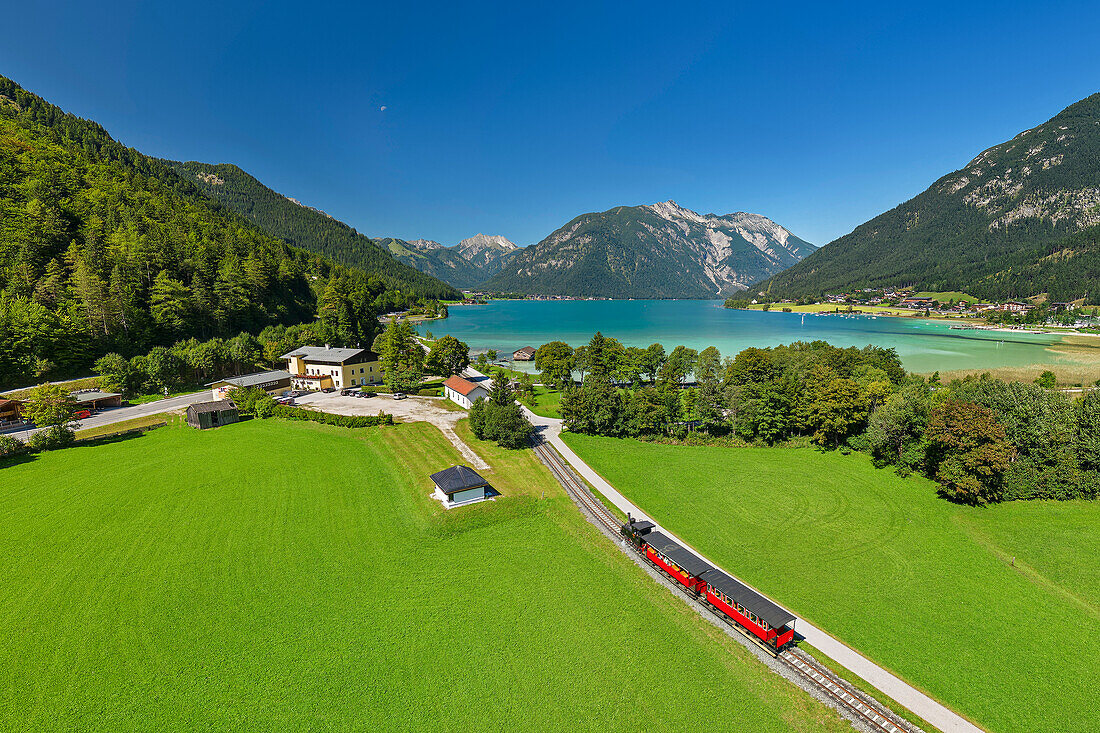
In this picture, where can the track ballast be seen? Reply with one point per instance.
(857, 705)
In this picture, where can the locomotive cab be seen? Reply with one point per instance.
(635, 530)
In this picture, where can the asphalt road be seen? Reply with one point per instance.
(119, 414)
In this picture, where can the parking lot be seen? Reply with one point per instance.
(410, 409)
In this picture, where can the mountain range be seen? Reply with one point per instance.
(309, 228)
(654, 251)
(1020, 219)
(466, 265)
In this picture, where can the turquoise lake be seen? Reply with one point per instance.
(923, 345)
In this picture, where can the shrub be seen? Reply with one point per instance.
(10, 446)
(52, 438)
(245, 398)
(264, 407)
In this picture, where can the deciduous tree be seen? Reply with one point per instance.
(969, 452)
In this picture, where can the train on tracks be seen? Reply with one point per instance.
(746, 609)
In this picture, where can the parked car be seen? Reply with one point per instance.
(365, 393)
(285, 401)
(328, 390)
(82, 414)
(399, 395)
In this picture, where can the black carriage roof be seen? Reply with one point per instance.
(687, 560)
(750, 599)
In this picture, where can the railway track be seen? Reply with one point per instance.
(858, 706)
(576, 490)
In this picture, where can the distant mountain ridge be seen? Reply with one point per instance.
(466, 265)
(1020, 219)
(652, 251)
(307, 227)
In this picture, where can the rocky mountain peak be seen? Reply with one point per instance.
(424, 245)
(480, 242)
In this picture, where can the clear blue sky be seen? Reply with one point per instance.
(513, 118)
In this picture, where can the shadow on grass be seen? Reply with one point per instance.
(9, 461)
(99, 440)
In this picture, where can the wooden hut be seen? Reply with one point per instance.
(203, 415)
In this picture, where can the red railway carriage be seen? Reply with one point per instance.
(752, 611)
(683, 565)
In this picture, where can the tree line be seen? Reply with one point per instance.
(103, 249)
(982, 439)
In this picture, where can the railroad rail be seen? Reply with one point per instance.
(576, 490)
(859, 706)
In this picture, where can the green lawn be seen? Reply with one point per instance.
(994, 611)
(547, 402)
(274, 575)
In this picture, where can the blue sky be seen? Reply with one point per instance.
(513, 118)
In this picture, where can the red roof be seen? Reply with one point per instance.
(463, 386)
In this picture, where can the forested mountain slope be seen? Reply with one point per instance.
(466, 265)
(1019, 219)
(657, 251)
(308, 228)
(105, 249)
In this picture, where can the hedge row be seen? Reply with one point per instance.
(289, 412)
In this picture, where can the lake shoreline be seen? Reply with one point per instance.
(925, 345)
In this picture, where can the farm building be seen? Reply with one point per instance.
(463, 392)
(94, 399)
(203, 415)
(527, 353)
(460, 485)
(274, 381)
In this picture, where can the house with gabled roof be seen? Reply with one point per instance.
(463, 392)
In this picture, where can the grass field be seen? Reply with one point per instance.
(547, 402)
(274, 575)
(994, 611)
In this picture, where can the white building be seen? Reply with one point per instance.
(463, 392)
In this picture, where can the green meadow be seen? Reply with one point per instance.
(274, 575)
(994, 611)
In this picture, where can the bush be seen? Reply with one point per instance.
(10, 446)
(504, 424)
(246, 398)
(264, 408)
(52, 438)
(287, 412)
